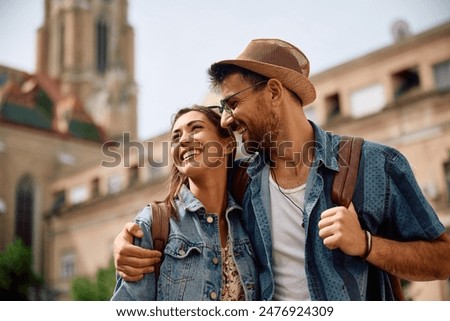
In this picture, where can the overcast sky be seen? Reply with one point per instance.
(177, 40)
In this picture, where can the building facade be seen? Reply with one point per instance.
(54, 122)
(72, 174)
(399, 96)
(95, 203)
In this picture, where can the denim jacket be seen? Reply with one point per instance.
(192, 265)
(387, 199)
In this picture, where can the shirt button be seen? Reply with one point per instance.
(181, 252)
(213, 295)
(209, 219)
(215, 261)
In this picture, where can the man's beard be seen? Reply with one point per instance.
(263, 131)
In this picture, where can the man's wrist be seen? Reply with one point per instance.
(368, 245)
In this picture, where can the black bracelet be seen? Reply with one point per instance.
(368, 245)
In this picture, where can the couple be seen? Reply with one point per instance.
(288, 241)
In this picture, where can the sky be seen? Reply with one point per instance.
(177, 40)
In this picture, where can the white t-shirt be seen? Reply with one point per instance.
(288, 242)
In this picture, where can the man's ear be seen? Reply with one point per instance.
(276, 90)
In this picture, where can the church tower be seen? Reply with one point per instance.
(88, 47)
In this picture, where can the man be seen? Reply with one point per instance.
(307, 247)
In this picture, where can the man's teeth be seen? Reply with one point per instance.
(242, 129)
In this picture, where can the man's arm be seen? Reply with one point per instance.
(415, 261)
(132, 261)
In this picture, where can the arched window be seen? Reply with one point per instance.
(62, 47)
(24, 209)
(102, 46)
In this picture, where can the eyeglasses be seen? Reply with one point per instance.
(223, 103)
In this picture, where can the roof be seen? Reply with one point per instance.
(36, 101)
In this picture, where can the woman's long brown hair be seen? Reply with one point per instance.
(176, 178)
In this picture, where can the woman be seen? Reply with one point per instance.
(208, 255)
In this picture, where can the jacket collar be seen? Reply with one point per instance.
(190, 203)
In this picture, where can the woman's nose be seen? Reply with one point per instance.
(185, 137)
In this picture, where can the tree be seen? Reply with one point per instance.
(16, 272)
(99, 289)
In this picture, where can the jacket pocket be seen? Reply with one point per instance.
(181, 260)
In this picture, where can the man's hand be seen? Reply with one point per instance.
(419, 260)
(340, 229)
(132, 261)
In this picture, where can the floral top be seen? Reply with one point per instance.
(232, 287)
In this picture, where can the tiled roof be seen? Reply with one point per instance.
(32, 117)
(36, 100)
(84, 130)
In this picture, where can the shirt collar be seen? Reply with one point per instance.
(326, 148)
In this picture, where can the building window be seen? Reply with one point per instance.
(24, 210)
(2, 206)
(95, 187)
(3, 78)
(405, 81)
(447, 179)
(332, 106)
(367, 100)
(114, 184)
(67, 265)
(79, 194)
(59, 201)
(102, 46)
(441, 73)
(62, 47)
(134, 175)
(66, 158)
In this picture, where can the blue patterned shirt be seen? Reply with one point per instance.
(387, 199)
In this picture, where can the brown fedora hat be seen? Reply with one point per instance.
(275, 58)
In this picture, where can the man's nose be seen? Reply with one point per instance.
(226, 119)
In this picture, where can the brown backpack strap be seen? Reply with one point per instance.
(396, 287)
(160, 230)
(344, 185)
(345, 180)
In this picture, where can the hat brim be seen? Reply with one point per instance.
(291, 79)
